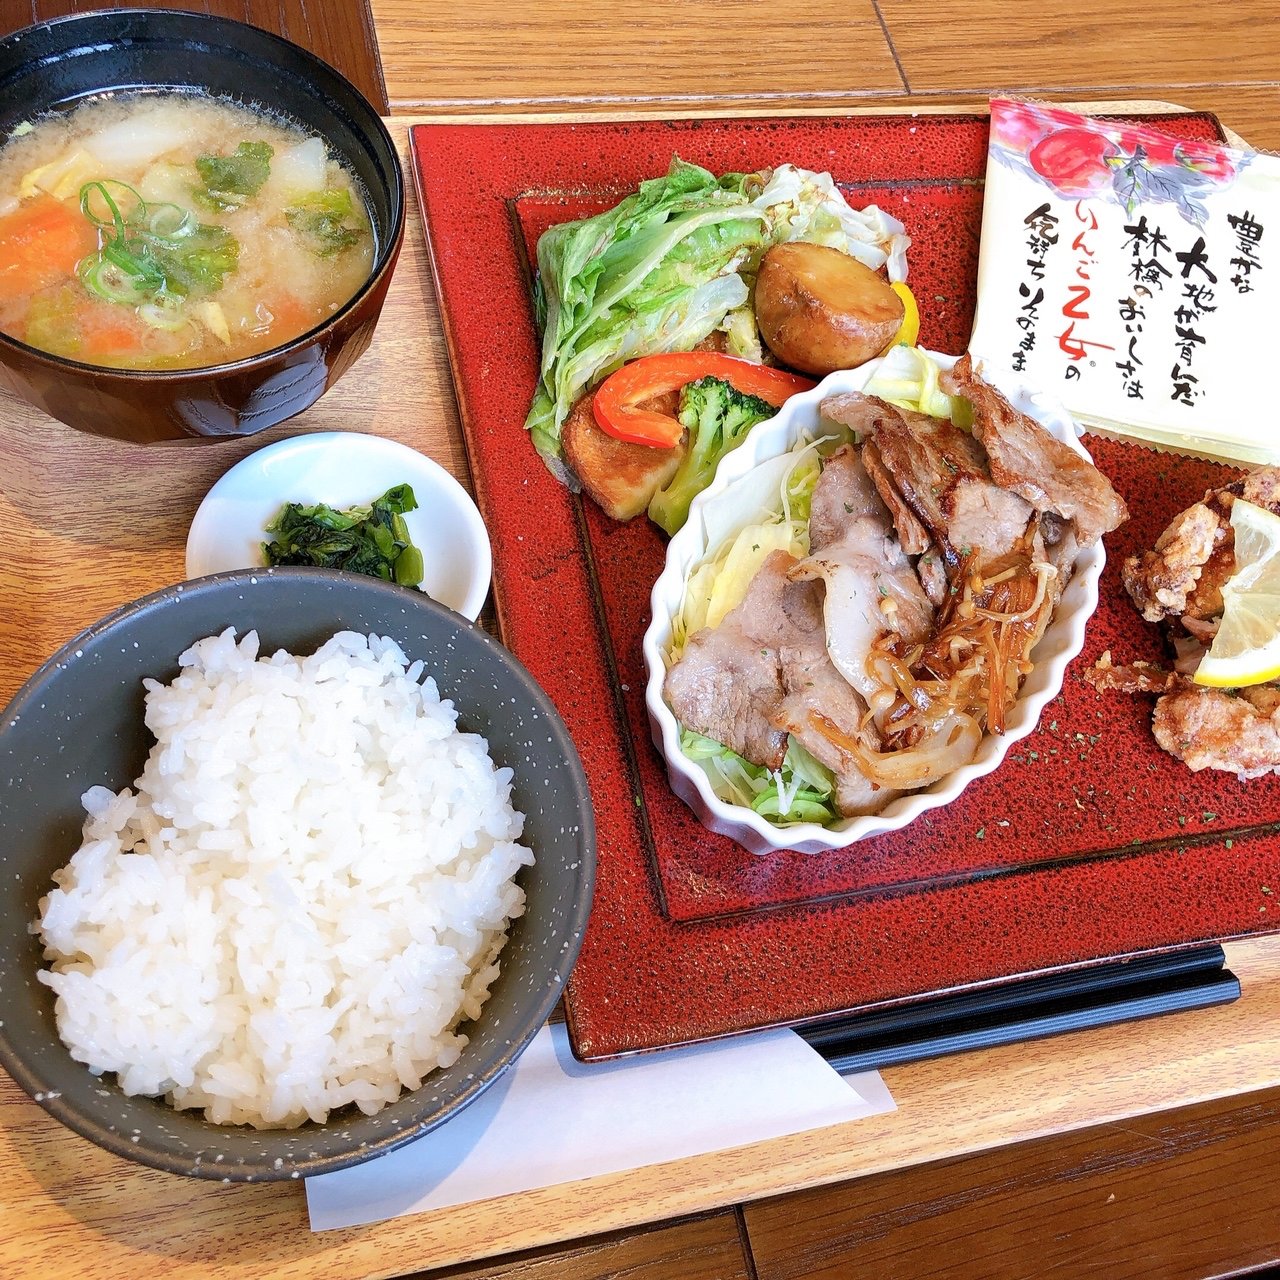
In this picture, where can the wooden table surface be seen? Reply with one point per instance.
(1138, 1150)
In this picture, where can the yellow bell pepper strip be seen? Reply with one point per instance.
(617, 401)
(909, 330)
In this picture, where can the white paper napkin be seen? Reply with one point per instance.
(552, 1119)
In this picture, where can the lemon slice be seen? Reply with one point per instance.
(1246, 649)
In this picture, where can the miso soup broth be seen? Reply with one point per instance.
(169, 231)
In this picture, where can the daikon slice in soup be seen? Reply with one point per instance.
(171, 231)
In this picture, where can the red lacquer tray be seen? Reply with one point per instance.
(1088, 843)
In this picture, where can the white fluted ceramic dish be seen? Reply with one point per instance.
(711, 522)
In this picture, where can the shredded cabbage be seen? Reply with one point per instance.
(801, 791)
(802, 205)
(908, 378)
(742, 334)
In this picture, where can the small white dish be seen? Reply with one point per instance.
(344, 469)
(712, 521)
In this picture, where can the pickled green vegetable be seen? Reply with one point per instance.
(373, 540)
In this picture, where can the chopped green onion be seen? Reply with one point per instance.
(137, 263)
(114, 219)
(169, 222)
(164, 311)
(109, 282)
(158, 252)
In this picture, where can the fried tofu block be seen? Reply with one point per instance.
(620, 477)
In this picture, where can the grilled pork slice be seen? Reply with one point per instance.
(844, 493)
(818, 693)
(932, 573)
(940, 473)
(1060, 544)
(863, 415)
(860, 413)
(914, 538)
(1027, 459)
(727, 684)
(1184, 574)
(871, 586)
(814, 692)
(764, 673)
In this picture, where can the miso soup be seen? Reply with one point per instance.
(172, 231)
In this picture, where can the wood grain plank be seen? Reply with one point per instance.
(550, 51)
(706, 1248)
(1181, 1196)
(1249, 110)
(1095, 43)
(342, 34)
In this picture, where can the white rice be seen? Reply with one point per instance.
(303, 897)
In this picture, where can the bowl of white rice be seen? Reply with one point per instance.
(296, 863)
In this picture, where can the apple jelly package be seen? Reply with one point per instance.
(1135, 276)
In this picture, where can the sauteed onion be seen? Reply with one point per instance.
(938, 698)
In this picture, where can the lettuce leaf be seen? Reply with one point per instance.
(655, 273)
(324, 221)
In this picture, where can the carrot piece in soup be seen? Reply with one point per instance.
(40, 243)
(290, 316)
(105, 334)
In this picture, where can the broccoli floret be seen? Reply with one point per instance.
(718, 417)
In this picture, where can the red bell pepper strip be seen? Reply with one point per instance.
(617, 398)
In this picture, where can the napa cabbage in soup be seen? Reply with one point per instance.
(171, 231)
